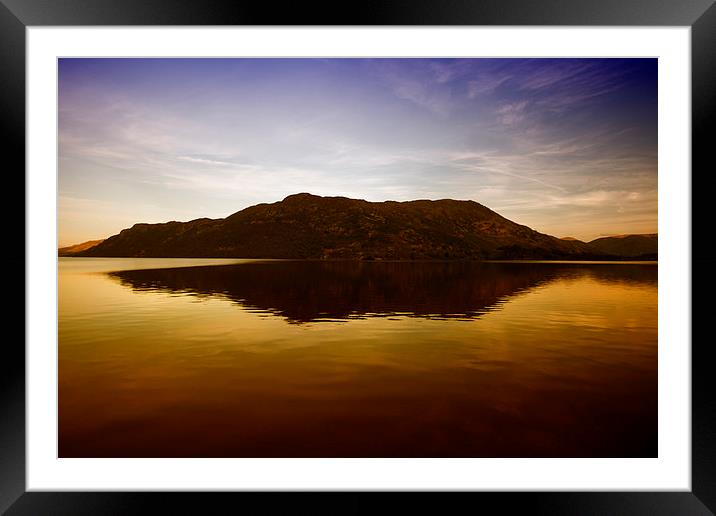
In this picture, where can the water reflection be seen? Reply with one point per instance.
(304, 292)
(340, 359)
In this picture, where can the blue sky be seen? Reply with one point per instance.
(565, 146)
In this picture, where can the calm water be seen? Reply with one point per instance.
(238, 358)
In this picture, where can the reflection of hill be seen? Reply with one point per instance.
(636, 274)
(304, 291)
(630, 274)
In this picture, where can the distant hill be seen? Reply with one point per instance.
(74, 249)
(628, 246)
(312, 227)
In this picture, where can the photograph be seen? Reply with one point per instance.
(357, 257)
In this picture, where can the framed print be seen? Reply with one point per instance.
(429, 248)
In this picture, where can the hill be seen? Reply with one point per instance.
(628, 246)
(306, 226)
(74, 249)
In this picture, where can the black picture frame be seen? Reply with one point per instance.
(16, 15)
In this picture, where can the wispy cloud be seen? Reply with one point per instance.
(204, 161)
(425, 84)
(551, 143)
(484, 84)
(512, 113)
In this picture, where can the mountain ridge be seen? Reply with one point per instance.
(306, 226)
(646, 244)
(71, 250)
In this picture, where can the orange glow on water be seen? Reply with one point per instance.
(306, 359)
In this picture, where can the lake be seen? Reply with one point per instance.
(269, 358)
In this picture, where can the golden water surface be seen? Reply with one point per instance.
(240, 358)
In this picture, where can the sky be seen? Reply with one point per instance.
(565, 146)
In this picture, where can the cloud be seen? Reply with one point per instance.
(537, 140)
(203, 161)
(512, 113)
(484, 85)
(426, 85)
